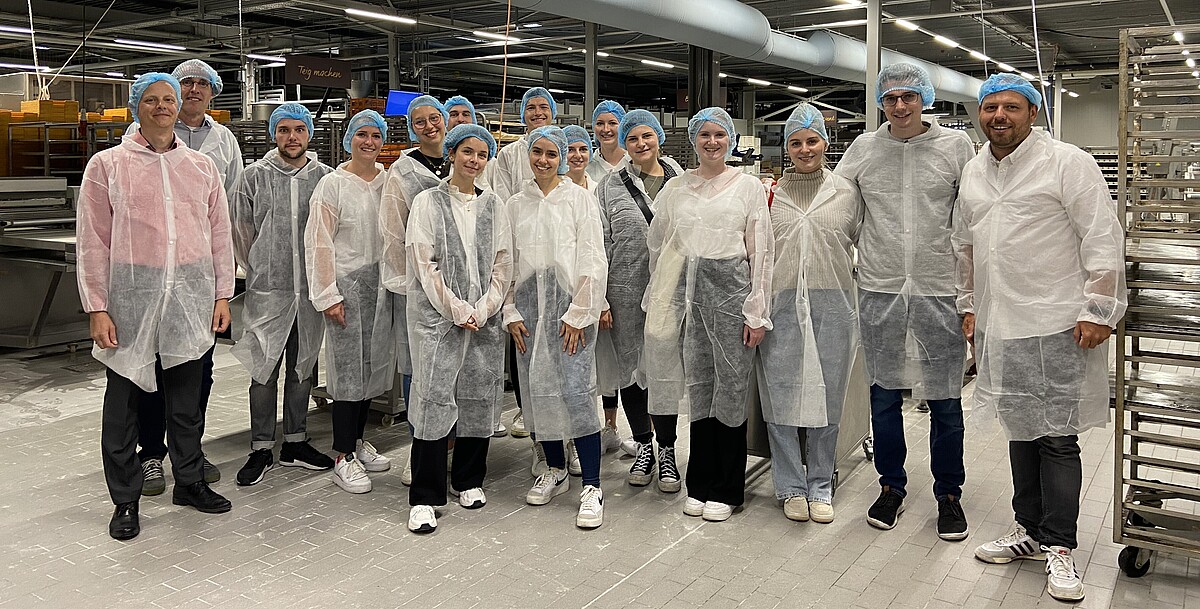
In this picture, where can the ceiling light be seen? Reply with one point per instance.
(758, 81)
(502, 56)
(658, 64)
(495, 36)
(1046, 83)
(530, 26)
(980, 56)
(1005, 67)
(1178, 36)
(149, 45)
(1028, 76)
(278, 64)
(115, 74)
(1191, 63)
(946, 41)
(384, 17)
(906, 24)
(797, 89)
(270, 58)
(851, 2)
(1187, 52)
(15, 30)
(601, 54)
(1196, 74)
(24, 66)
(559, 91)
(723, 75)
(1072, 94)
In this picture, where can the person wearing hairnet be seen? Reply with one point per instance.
(459, 111)
(460, 263)
(551, 313)
(805, 360)
(342, 250)
(268, 210)
(199, 84)
(707, 309)
(606, 125)
(1038, 323)
(579, 152)
(155, 272)
(626, 197)
(908, 173)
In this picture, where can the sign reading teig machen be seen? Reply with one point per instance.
(317, 72)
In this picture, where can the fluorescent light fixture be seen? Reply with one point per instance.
(24, 66)
(1046, 83)
(946, 41)
(382, 16)
(277, 64)
(1187, 52)
(852, 2)
(980, 56)
(530, 26)
(502, 56)
(1191, 63)
(272, 58)
(495, 36)
(1178, 36)
(556, 91)
(797, 89)
(723, 75)
(1063, 89)
(15, 30)
(759, 82)
(658, 64)
(1196, 73)
(1005, 67)
(115, 74)
(908, 25)
(1028, 76)
(1072, 94)
(601, 54)
(149, 45)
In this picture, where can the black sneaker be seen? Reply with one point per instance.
(199, 496)
(302, 454)
(260, 462)
(212, 475)
(886, 509)
(952, 522)
(642, 471)
(668, 473)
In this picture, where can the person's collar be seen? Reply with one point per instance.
(145, 143)
(276, 160)
(1022, 151)
(932, 132)
(205, 121)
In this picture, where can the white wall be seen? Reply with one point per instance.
(1091, 118)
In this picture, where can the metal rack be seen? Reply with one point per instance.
(1157, 495)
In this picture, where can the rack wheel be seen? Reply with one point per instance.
(1135, 562)
(868, 447)
(388, 420)
(321, 403)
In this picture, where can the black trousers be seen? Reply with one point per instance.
(717, 462)
(181, 389)
(1047, 477)
(152, 415)
(429, 468)
(349, 424)
(634, 401)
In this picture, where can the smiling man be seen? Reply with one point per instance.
(1037, 321)
(907, 173)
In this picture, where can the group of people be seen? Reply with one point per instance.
(600, 268)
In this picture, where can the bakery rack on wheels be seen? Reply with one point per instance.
(1156, 506)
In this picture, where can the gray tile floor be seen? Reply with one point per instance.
(296, 541)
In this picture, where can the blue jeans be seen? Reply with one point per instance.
(788, 469)
(945, 442)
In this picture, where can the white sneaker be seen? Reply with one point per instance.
(422, 519)
(693, 507)
(1062, 580)
(372, 461)
(500, 430)
(715, 511)
(591, 508)
(820, 512)
(517, 429)
(539, 466)
(351, 476)
(629, 446)
(573, 466)
(472, 498)
(796, 508)
(610, 439)
(406, 475)
(1016, 544)
(548, 486)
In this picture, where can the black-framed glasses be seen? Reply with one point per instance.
(195, 83)
(908, 98)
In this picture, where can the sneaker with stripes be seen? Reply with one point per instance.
(1017, 544)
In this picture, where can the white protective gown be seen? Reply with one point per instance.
(269, 209)
(711, 254)
(619, 349)
(597, 167)
(154, 251)
(911, 332)
(1047, 197)
(406, 178)
(558, 254)
(460, 260)
(805, 360)
(510, 171)
(221, 145)
(342, 248)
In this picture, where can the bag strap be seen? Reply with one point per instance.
(637, 195)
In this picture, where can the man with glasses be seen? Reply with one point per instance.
(907, 172)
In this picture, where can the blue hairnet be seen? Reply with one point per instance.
(608, 106)
(195, 68)
(906, 77)
(536, 92)
(805, 116)
(459, 100)
(556, 137)
(1010, 82)
(363, 119)
(422, 102)
(638, 118)
(139, 86)
(575, 133)
(717, 116)
(464, 131)
(291, 110)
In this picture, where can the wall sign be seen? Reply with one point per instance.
(317, 72)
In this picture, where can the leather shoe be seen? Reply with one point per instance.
(199, 496)
(124, 524)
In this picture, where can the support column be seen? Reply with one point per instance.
(546, 72)
(874, 26)
(591, 81)
(704, 81)
(249, 88)
(393, 62)
(1056, 108)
